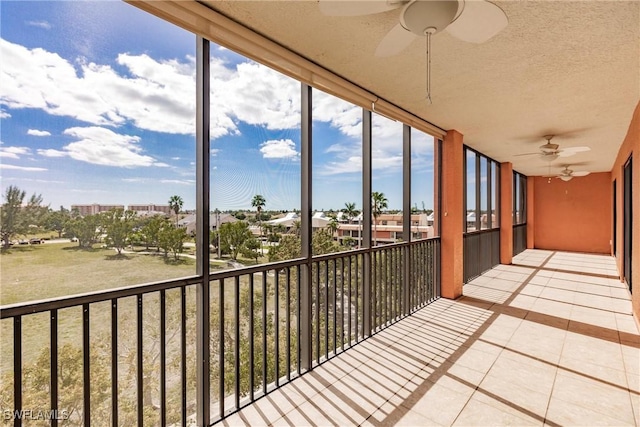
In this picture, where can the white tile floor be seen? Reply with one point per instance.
(549, 340)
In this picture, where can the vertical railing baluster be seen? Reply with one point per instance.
(86, 366)
(114, 361)
(335, 307)
(276, 326)
(318, 307)
(140, 372)
(221, 336)
(298, 320)
(163, 358)
(236, 350)
(374, 292)
(288, 320)
(17, 368)
(183, 354)
(53, 364)
(359, 279)
(342, 280)
(349, 276)
(251, 343)
(385, 281)
(264, 332)
(326, 309)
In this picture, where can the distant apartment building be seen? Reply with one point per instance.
(94, 209)
(387, 228)
(166, 209)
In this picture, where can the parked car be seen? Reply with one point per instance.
(23, 242)
(35, 241)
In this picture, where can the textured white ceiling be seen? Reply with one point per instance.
(568, 68)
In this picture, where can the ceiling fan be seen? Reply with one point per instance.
(474, 21)
(568, 174)
(550, 151)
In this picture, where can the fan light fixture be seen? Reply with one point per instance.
(566, 177)
(549, 157)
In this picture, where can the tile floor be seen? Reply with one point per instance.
(549, 340)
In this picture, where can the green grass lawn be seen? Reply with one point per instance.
(36, 272)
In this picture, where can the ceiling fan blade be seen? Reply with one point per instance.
(356, 7)
(524, 154)
(479, 21)
(581, 173)
(575, 149)
(395, 41)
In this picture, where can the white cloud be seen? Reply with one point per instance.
(154, 96)
(256, 95)
(21, 168)
(35, 132)
(40, 24)
(214, 152)
(279, 149)
(102, 146)
(14, 152)
(345, 117)
(178, 181)
(50, 152)
(4, 114)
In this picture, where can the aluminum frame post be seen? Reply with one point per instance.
(306, 306)
(202, 231)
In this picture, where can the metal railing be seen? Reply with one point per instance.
(481, 252)
(128, 356)
(519, 238)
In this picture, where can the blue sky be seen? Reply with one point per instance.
(97, 105)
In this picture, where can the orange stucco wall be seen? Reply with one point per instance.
(630, 146)
(451, 275)
(573, 215)
(506, 213)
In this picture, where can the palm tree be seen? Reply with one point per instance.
(333, 225)
(351, 212)
(379, 203)
(258, 202)
(175, 204)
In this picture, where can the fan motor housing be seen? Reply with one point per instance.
(430, 16)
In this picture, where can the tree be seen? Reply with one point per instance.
(250, 248)
(350, 211)
(171, 239)
(258, 202)
(85, 229)
(379, 202)
(118, 225)
(57, 220)
(14, 218)
(151, 230)
(175, 203)
(234, 237)
(10, 215)
(333, 225)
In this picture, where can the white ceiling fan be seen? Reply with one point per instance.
(550, 151)
(474, 21)
(568, 174)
